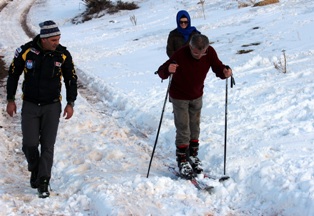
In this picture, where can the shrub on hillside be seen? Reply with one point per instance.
(253, 3)
(98, 8)
(265, 2)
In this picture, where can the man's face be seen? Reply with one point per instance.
(196, 53)
(50, 43)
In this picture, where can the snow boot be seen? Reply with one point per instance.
(185, 168)
(193, 159)
(43, 191)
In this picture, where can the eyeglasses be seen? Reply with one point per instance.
(184, 22)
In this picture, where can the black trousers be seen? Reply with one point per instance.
(39, 127)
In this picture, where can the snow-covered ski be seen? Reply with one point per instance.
(198, 184)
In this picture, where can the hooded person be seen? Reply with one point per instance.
(181, 35)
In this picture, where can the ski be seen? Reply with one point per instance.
(198, 184)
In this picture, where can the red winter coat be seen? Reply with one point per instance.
(188, 80)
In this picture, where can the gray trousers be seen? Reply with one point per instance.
(187, 114)
(39, 127)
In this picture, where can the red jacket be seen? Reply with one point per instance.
(188, 80)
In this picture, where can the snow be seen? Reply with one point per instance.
(102, 153)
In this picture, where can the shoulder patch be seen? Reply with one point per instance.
(17, 52)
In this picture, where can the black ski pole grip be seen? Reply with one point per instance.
(232, 79)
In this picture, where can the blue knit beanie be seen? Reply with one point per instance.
(49, 29)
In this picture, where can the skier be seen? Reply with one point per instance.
(189, 67)
(44, 62)
(181, 35)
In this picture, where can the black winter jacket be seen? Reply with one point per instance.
(175, 41)
(43, 72)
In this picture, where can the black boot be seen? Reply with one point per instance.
(43, 191)
(185, 168)
(193, 159)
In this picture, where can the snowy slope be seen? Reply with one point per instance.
(102, 153)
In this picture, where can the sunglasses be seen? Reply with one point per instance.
(184, 22)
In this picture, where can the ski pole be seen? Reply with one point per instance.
(162, 114)
(223, 178)
(226, 127)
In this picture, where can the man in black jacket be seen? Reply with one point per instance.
(44, 61)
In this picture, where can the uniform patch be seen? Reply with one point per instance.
(17, 52)
(29, 64)
(58, 64)
(33, 50)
